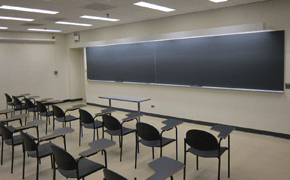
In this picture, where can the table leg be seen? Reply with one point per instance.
(138, 111)
(229, 156)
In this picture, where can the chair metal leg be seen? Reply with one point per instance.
(121, 144)
(23, 169)
(2, 151)
(229, 165)
(184, 160)
(46, 126)
(136, 150)
(219, 168)
(12, 159)
(196, 162)
(152, 152)
(37, 169)
(80, 134)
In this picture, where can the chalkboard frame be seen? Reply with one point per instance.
(192, 84)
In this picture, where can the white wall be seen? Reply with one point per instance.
(28, 67)
(258, 110)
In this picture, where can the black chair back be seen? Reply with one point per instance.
(63, 159)
(86, 117)
(41, 107)
(110, 175)
(6, 133)
(16, 101)
(147, 132)
(111, 122)
(58, 112)
(28, 103)
(201, 140)
(29, 143)
(8, 98)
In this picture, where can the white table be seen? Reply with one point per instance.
(137, 100)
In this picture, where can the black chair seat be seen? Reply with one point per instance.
(213, 153)
(118, 132)
(32, 109)
(97, 123)
(43, 151)
(17, 140)
(19, 107)
(86, 167)
(156, 143)
(67, 118)
(48, 113)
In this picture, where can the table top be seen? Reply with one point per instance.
(5, 111)
(224, 130)
(132, 116)
(125, 98)
(170, 123)
(75, 107)
(23, 95)
(57, 133)
(32, 97)
(79, 105)
(52, 102)
(97, 146)
(45, 99)
(105, 111)
(31, 124)
(164, 167)
(13, 118)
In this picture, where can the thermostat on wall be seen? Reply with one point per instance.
(77, 37)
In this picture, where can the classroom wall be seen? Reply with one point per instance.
(257, 110)
(28, 66)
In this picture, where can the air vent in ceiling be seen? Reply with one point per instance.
(99, 6)
(53, 19)
(31, 24)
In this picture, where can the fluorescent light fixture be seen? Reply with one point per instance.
(72, 23)
(15, 18)
(153, 6)
(44, 30)
(16, 8)
(3, 27)
(99, 18)
(218, 1)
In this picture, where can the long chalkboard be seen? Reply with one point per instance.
(240, 61)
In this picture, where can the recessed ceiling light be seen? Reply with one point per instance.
(153, 6)
(99, 18)
(218, 1)
(15, 18)
(72, 23)
(16, 8)
(3, 27)
(44, 30)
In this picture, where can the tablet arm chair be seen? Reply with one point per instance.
(60, 116)
(30, 107)
(9, 101)
(43, 111)
(11, 140)
(70, 167)
(115, 128)
(111, 175)
(150, 137)
(205, 145)
(35, 150)
(87, 121)
(18, 105)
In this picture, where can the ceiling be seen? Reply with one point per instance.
(71, 10)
